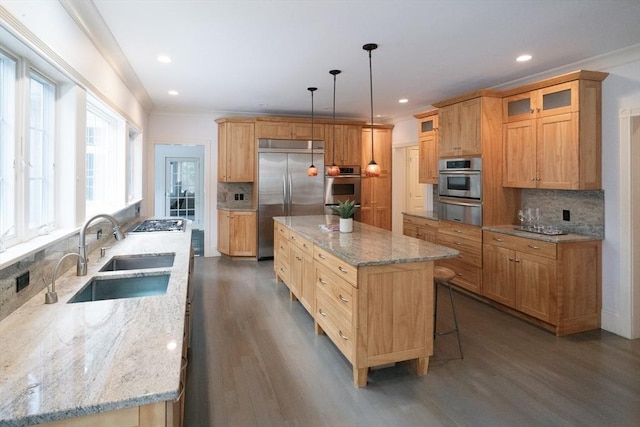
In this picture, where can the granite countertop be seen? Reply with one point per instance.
(423, 214)
(64, 360)
(366, 245)
(512, 230)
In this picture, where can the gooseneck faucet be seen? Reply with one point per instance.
(51, 296)
(81, 269)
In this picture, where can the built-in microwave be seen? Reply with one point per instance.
(460, 178)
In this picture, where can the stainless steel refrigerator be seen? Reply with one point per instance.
(284, 189)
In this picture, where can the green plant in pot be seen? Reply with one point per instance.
(345, 210)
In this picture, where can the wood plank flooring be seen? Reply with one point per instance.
(256, 361)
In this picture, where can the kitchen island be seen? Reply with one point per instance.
(370, 291)
(110, 362)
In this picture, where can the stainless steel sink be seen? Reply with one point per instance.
(139, 262)
(105, 288)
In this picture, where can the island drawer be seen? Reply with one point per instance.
(467, 276)
(281, 230)
(521, 244)
(470, 250)
(334, 264)
(334, 325)
(340, 291)
(304, 244)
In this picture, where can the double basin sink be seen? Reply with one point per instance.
(132, 285)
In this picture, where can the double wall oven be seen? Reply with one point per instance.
(460, 190)
(345, 186)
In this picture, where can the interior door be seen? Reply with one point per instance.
(182, 188)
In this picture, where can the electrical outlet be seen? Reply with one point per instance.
(237, 196)
(98, 234)
(241, 196)
(566, 215)
(22, 281)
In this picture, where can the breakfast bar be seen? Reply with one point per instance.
(370, 291)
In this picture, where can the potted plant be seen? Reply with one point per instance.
(345, 211)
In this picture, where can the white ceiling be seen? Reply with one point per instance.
(259, 57)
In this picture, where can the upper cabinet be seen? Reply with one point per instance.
(428, 147)
(276, 128)
(236, 150)
(381, 148)
(552, 133)
(345, 150)
(376, 192)
(459, 132)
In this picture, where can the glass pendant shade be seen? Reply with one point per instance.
(312, 170)
(372, 170)
(334, 170)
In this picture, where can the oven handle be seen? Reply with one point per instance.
(461, 202)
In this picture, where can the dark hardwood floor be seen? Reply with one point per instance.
(256, 361)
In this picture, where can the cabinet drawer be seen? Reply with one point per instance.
(470, 250)
(521, 244)
(422, 222)
(282, 230)
(304, 244)
(282, 269)
(334, 325)
(342, 269)
(467, 276)
(338, 290)
(463, 230)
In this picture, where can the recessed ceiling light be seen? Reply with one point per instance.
(164, 59)
(403, 100)
(173, 92)
(524, 58)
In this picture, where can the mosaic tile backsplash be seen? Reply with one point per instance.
(41, 264)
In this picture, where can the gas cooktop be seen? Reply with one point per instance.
(152, 225)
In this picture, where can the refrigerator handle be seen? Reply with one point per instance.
(284, 194)
(290, 194)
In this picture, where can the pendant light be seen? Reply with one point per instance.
(372, 169)
(334, 170)
(312, 171)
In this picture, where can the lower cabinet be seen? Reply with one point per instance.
(420, 228)
(161, 414)
(467, 240)
(556, 283)
(301, 270)
(237, 233)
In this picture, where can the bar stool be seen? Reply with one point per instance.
(443, 276)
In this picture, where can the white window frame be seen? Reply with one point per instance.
(8, 149)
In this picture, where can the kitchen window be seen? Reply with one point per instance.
(8, 73)
(105, 158)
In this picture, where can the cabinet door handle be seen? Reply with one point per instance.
(457, 231)
(510, 259)
(305, 246)
(459, 274)
(342, 270)
(343, 336)
(457, 243)
(533, 179)
(498, 239)
(298, 258)
(322, 256)
(538, 179)
(533, 111)
(343, 299)
(534, 246)
(517, 260)
(322, 281)
(322, 313)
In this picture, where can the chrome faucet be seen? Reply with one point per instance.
(81, 269)
(51, 296)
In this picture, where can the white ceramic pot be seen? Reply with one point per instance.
(346, 225)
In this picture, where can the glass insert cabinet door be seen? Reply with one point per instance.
(182, 187)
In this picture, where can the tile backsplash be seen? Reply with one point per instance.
(586, 209)
(227, 192)
(41, 264)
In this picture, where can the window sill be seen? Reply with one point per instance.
(23, 250)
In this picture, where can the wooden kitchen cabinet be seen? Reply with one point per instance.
(302, 271)
(420, 228)
(428, 147)
(236, 150)
(459, 132)
(376, 201)
(276, 128)
(381, 148)
(237, 233)
(552, 133)
(467, 239)
(558, 284)
(347, 145)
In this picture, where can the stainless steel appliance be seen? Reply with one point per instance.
(154, 225)
(284, 189)
(460, 190)
(345, 186)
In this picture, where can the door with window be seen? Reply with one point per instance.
(182, 187)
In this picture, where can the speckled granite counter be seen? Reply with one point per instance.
(66, 360)
(423, 214)
(512, 230)
(366, 245)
